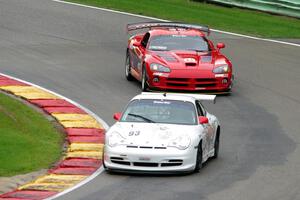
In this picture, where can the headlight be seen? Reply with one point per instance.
(221, 69)
(115, 139)
(159, 68)
(181, 142)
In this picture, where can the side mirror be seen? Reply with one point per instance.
(117, 116)
(220, 46)
(136, 43)
(203, 120)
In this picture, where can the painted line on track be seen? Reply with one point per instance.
(27, 84)
(163, 20)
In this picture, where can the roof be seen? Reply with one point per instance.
(176, 96)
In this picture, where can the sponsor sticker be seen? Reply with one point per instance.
(161, 102)
(221, 75)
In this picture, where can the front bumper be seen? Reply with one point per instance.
(167, 160)
(191, 81)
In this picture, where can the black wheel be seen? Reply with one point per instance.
(104, 166)
(231, 85)
(145, 86)
(198, 158)
(217, 144)
(128, 75)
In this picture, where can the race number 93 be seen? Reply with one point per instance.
(134, 133)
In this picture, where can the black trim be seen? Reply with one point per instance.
(143, 25)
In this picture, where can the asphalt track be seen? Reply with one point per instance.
(79, 53)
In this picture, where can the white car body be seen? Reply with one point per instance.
(150, 146)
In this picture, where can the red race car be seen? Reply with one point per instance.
(176, 56)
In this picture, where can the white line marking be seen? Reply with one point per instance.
(96, 173)
(153, 18)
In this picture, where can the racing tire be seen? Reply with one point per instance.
(104, 166)
(217, 144)
(145, 86)
(199, 158)
(128, 75)
(229, 90)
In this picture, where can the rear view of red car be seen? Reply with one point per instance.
(176, 56)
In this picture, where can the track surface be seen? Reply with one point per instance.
(79, 52)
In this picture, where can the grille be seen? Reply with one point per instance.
(190, 64)
(206, 82)
(145, 164)
(191, 82)
(168, 163)
(119, 161)
(178, 79)
(172, 163)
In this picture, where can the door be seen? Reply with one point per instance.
(138, 55)
(206, 138)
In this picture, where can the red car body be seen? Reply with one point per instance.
(176, 68)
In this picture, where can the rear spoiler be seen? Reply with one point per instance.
(143, 25)
(201, 97)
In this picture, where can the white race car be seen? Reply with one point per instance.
(162, 132)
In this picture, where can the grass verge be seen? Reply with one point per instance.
(28, 141)
(218, 17)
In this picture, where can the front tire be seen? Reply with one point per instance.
(145, 86)
(199, 156)
(128, 75)
(217, 144)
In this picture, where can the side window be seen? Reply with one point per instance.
(200, 109)
(145, 40)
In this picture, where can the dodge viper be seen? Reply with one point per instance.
(176, 56)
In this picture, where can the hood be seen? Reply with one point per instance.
(151, 134)
(186, 59)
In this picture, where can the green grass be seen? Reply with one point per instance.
(217, 17)
(28, 141)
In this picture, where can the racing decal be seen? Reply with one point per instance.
(210, 131)
(134, 133)
(158, 48)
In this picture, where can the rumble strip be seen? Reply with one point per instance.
(85, 137)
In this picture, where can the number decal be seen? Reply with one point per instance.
(134, 133)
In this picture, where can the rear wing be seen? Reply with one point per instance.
(201, 97)
(143, 25)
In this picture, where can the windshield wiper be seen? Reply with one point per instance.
(142, 117)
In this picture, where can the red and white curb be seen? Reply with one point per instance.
(85, 135)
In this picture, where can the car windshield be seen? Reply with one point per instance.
(178, 42)
(160, 111)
